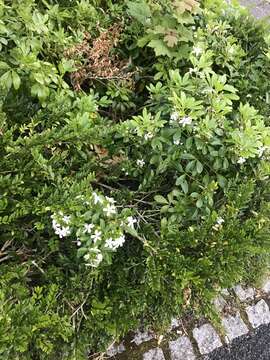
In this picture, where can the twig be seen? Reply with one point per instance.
(5, 258)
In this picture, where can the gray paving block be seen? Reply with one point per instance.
(154, 354)
(266, 286)
(116, 349)
(219, 303)
(206, 338)
(181, 349)
(142, 336)
(234, 327)
(258, 314)
(244, 293)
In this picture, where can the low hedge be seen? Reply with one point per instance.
(134, 175)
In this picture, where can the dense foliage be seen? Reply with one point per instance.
(134, 168)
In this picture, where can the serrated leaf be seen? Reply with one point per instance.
(159, 47)
(186, 5)
(140, 11)
(171, 39)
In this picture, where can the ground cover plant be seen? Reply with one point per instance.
(134, 173)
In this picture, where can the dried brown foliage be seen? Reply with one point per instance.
(96, 58)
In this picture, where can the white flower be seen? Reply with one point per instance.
(119, 241)
(59, 230)
(110, 210)
(220, 221)
(140, 163)
(241, 160)
(63, 232)
(186, 120)
(97, 198)
(93, 261)
(109, 243)
(176, 142)
(96, 236)
(79, 242)
(197, 50)
(261, 151)
(114, 244)
(174, 116)
(131, 221)
(98, 259)
(110, 199)
(148, 136)
(66, 219)
(231, 50)
(88, 228)
(55, 225)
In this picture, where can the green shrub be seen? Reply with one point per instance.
(134, 175)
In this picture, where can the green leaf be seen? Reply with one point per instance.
(140, 11)
(186, 156)
(199, 167)
(160, 199)
(222, 181)
(4, 65)
(160, 48)
(199, 203)
(171, 39)
(40, 91)
(16, 80)
(184, 186)
(183, 183)
(6, 80)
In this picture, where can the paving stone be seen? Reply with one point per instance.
(116, 349)
(142, 336)
(266, 286)
(154, 354)
(181, 349)
(219, 302)
(207, 338)
(244, 294)
(234, 327)
(175, 323)
(258, 314)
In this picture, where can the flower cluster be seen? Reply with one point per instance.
(113, 244)
(99, 235)
(175, 118)
(62, 230)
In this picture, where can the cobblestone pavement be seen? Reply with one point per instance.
(245, 319)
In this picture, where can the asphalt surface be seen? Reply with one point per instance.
(254, 346)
